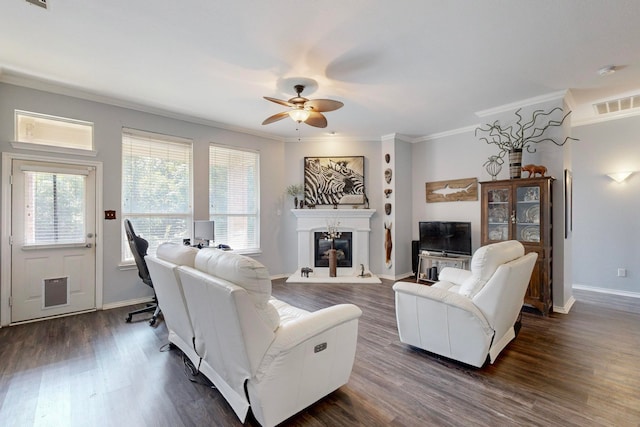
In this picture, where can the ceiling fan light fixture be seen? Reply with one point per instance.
(299, 114)
(607, 71)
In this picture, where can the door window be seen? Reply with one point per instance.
(54, 208)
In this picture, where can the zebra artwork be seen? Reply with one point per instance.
(334, 180)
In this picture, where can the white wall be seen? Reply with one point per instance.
(294, 155)
(401, 203)
(447, 158)
(119, 285)
(606, 229)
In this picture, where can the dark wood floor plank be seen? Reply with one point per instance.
(567, 370)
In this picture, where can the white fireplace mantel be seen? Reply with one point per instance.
(356, 221)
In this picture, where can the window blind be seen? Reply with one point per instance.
(156, 187)
(234, 191)
(54, 208)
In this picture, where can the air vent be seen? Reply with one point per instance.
(41, 3)
(618, 105)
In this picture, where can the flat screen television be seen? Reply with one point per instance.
(446, 237)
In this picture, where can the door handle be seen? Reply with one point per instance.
(88, 245)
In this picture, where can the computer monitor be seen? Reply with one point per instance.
(203, 232)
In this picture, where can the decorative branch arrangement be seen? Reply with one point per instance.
(332, 232)
(521, 136)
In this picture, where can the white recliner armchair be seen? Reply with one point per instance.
(262, 353)
(467, 315)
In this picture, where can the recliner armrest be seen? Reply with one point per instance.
(292, 333)
(457, 276)
(445, 297)
(295, 332)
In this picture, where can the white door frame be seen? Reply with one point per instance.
(5, 228)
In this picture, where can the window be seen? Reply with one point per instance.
(59, 133)
(54, 211)
(234, 196)
(156, 188)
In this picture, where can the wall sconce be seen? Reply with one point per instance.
(619, 176)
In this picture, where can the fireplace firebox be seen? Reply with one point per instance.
(343, 246)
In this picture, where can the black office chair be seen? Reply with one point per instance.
(139, 247)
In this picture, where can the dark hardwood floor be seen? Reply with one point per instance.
(94, 369)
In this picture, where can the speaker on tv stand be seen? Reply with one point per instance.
(415, 250)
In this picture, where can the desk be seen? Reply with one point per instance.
(430, 265)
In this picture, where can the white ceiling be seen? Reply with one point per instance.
(409, 67)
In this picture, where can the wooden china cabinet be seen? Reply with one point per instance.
(521, 209)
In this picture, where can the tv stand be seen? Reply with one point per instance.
(427, 262)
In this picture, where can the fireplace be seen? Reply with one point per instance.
(312, 224)
(342, 245)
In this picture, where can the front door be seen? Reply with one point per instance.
(53, 258)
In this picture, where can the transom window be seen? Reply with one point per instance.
(234, 196)
(156, 188)
(51, 131)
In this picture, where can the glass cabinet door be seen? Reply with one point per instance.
(498, 214)
(528, 214)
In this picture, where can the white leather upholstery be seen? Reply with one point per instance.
(250, 339)
(468, 314)
(164, 275)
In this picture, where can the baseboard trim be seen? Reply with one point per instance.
(127, 303)
(564, 309)
(607, 291)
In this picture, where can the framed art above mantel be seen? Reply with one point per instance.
(334, 180)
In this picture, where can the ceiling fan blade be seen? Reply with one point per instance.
(275, 117)
(317, 120)
(322, 105)
(279, 101)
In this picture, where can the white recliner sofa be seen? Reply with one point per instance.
(261, 353)
(163, 269)
(468, 315)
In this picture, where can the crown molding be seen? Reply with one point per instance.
(33, 82)
(553, 96)
(603, 118)
(396, 137)
(445, 134)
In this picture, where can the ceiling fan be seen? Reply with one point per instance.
(304, 110)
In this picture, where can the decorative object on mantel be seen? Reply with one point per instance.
(387, 158)
(493, 166)
(295, 190)
(388, 244)
(534, 170)
(387, 175)
(513, 139)
(301, 204)
(387, 208)
(387, 192)
(304, 271)
(455, 190)
(334, 180)
(332, 234)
